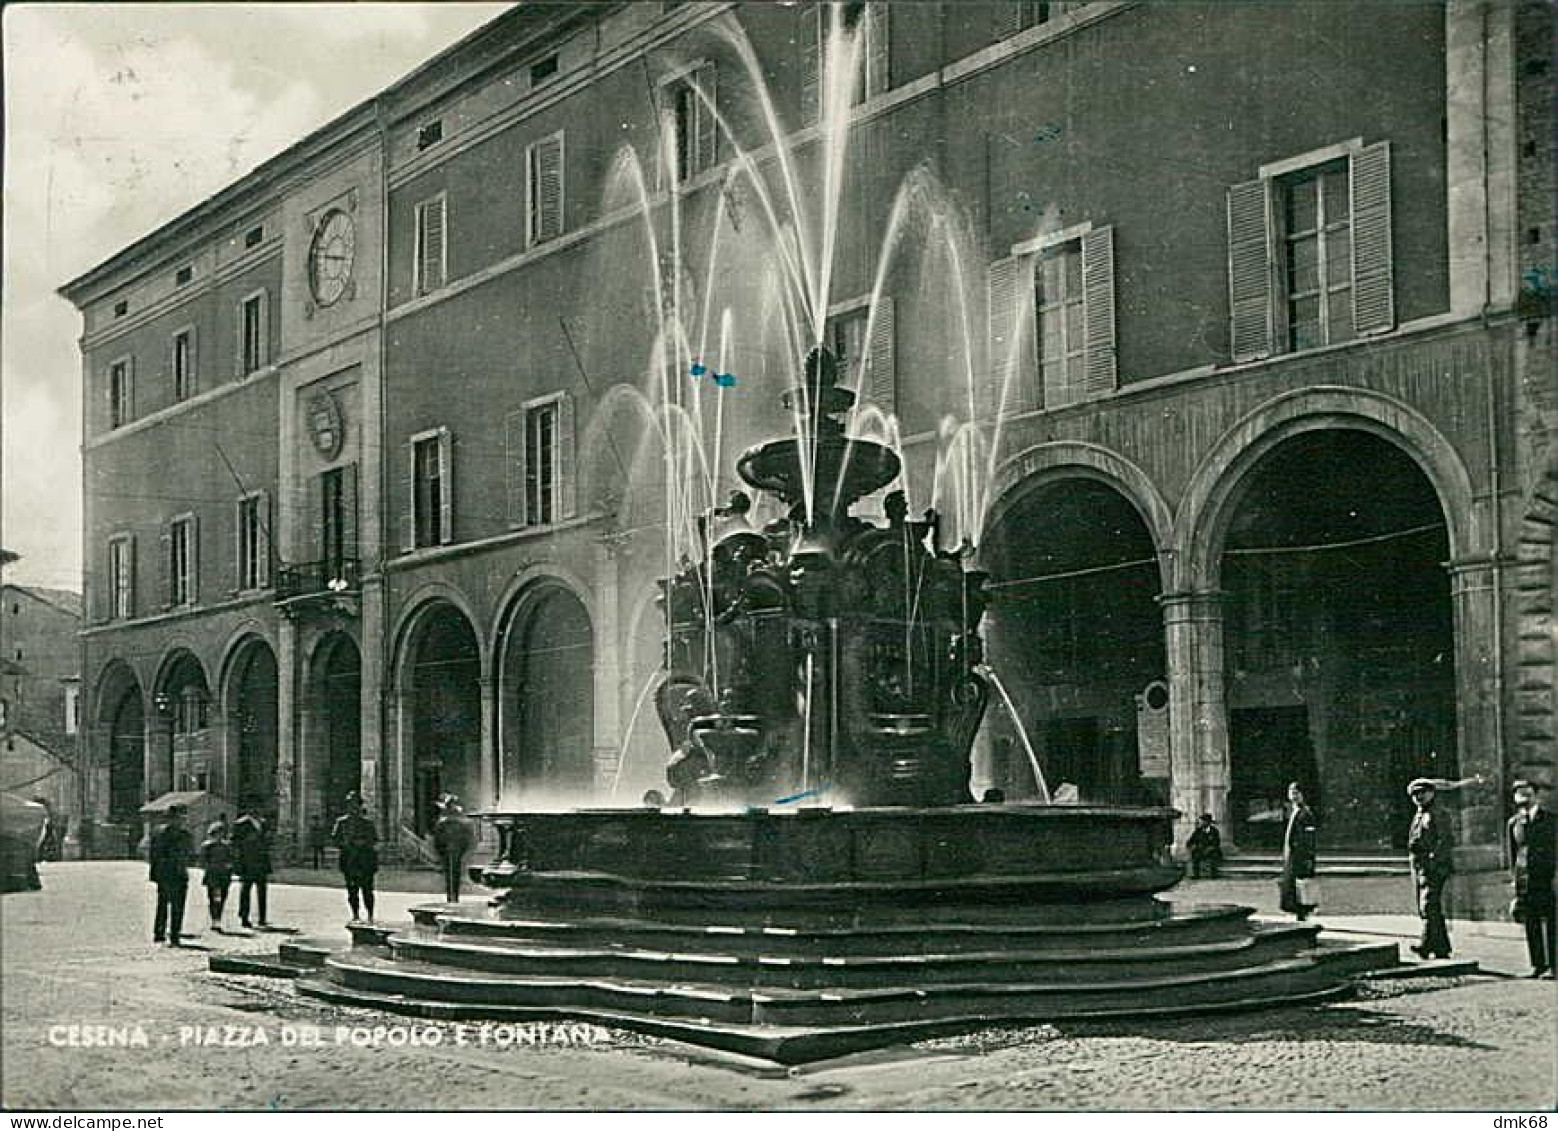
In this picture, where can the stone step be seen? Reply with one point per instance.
(373, 934)
(1251, 866)
(259, 965)
(1431, 968)
(1179, 924)
(305, 952)
(415, 981)
(783, 970)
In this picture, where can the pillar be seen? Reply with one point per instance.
(372, 738)
(1476, 608)
(291, 820)
(158, 754)
(1198, 713)
(489, 745)
(608, 740)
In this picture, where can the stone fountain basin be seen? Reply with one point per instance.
(823, 859)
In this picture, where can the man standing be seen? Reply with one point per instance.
(1299, 852)
(354, 834)
(453, 839)
(1533, 858)
(251, 861)
(169, 853)
(1428, 845)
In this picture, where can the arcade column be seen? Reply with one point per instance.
(1198, 715)
(1479, 677)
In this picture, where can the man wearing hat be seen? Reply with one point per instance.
(452, 837)
(1428, 845)
(357, 838)
(1533, 860)
(169, 854)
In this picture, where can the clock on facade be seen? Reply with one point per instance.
(330, 257)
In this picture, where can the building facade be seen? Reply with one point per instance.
(40, 693)
(1226, 350)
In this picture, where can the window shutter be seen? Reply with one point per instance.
(264, 351)
(514, 440)
(1098, 292)
(129, 566)
(1008, 20)
(1373, 292)
(317, 551)
(238, 340)
(265, 547)
(1003, 333)
(546, 189)
(878, 42)
(1249, 269)
(238, 578)
(430, 246)
(883, 359)
(194, 559)
(445, 487)
(708, 130)
(810, 38)
(349, 495)
(408, 495)
(567, 488)
(193, 360)
(166, 558)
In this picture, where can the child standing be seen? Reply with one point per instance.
(216, 857)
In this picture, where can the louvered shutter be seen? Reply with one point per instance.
(546, 189)
(266, 549)
(445, 487)
(708, 131)
(1003, 334)
(317, 548)
(514, 466)
(1098, 292)
(877, 49)
(239, 340)
(349, 517)
(408, 495)
(810, 38)
(238, 578)
(165, 577)
(129, 566)
(193, 360)
(1250, 265)
(194, 560)
(1373, 291)
(567, 481)
(883, 357)
(430, 260)
(1008, 20)
(264, 347)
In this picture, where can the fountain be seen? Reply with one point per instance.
(824, 881)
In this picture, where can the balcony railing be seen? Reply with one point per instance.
(304, 579)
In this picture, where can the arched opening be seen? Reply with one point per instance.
(252, 722)
(186, 760)
(124, 726)
(335, 711)
(1338, 638)
(1075, 636)
(548, 697)
(445, 672)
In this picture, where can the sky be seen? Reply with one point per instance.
(118, 117)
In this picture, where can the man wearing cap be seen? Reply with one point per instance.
(1533, 859)
(169, 854)
(1428, 845)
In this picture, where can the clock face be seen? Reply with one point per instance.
(330, 257)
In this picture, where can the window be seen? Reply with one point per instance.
(1060, 313)
(1052, 332)
(338, 520)
(72, 710)
(182, 549)
(121, 308)
(183, 276)
(543, 70)
(540, 441)
(121, 398)
(184, 364)
(866, 366)
(430, 262)
(253, 346)
(191, 711)
(254, 236)
(1309, 252)
(1031, 13)
(694, 126)
(868, 20)
(253, 546)
(544, 189)
(121, 577)
(430, 134)
(429, 521)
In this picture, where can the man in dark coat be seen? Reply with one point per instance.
(1533, 857)
(1429, 847)
(453, 838)
(1298, 853)
(358, 841)
(170, 852)
(1206, 848)
(251, 862)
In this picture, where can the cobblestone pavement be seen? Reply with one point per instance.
(78, 953)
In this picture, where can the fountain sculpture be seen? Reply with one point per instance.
(824, 881)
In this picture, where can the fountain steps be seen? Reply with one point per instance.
(786, 971)
(1190, 926)
(415, 983)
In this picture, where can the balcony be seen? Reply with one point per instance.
(324, 587)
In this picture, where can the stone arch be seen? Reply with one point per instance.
(443, 716)
(1536, 574)
(1042, 465)
(545, 713)
(244, 636)
(249, 692)
(119, 728)
(413, 621)
(1212, 495)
